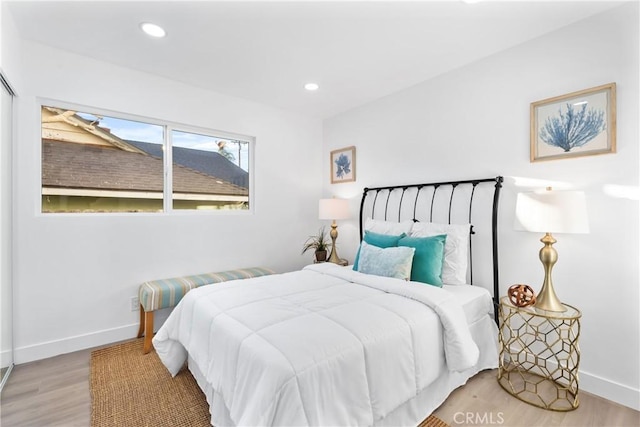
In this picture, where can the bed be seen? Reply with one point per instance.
(332, 345)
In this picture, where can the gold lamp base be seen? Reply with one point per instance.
(547, 299)
(333, 257)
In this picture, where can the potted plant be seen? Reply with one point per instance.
(319, 244)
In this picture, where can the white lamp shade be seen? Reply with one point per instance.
(552, 212)
(333, 209)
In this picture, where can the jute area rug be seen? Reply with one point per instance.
(132, 389)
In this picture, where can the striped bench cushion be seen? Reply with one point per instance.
(163, 293)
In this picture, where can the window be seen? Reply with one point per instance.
(95, 163)
(221, 179)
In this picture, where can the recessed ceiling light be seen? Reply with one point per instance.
(153, 30)
(311, 86)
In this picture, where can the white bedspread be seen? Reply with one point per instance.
(322, 346)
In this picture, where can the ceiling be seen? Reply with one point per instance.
(357, 51)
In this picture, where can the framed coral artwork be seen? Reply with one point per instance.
(577, 124)
(343, 165)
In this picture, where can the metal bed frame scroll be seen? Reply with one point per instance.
(441, 196)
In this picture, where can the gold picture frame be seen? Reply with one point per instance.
(577, 124)
(343, 165)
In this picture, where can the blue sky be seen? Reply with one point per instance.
(144, 132)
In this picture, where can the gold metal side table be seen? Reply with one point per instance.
(539, 355)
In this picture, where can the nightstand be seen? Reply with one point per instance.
(343, 262)
(539, 355)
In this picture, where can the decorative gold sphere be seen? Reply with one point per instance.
(521, 295)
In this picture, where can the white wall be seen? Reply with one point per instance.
(75, 274)
(9, 62)
(10, 58)
(474, 122)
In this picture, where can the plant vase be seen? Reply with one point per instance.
(321, 256)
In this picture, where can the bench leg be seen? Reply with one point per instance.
(148, 331)
(141, 327)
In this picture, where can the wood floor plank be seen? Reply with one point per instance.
(50, 392)
(482, 399)
(55, 392)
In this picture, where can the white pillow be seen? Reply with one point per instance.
(456, 248)
(388, 227)
(388, 262)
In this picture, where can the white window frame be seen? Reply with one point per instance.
(167, 147)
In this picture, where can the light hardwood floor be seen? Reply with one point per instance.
(55, 392)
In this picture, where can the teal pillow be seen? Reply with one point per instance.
(388, 262)
(427, 261)
(379, 240)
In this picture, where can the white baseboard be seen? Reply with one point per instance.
(6, 358)
(610, 390)
(79, 342)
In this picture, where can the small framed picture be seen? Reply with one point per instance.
(343, 165)
(577, 124)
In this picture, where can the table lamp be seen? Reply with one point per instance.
(551, 212)
(334, 209)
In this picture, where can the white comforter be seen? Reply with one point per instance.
(322, 346)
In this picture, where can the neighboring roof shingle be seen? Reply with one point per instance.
(72, 165)
(207, 162)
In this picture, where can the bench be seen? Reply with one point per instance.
(164, 293)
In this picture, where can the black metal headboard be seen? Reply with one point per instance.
(444, 202)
